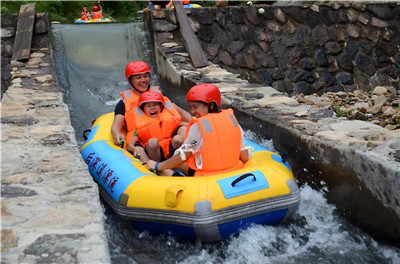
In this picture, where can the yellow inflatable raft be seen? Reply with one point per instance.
(208, 208)
(99, 20)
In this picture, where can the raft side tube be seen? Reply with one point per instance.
(203, 219)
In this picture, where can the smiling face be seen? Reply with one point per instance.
(152, 109)
(198, 109)
(140, 82)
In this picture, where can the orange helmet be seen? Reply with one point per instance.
(136, 67)
(95, 8)
(151, 96)
(204, 92)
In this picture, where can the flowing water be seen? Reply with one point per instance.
(90, 62)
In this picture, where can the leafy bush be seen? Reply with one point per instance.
(67, 11)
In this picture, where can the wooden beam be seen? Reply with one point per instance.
(199, 58)
(23, 37)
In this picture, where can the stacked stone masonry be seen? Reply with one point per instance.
(303, 49)
(50, 207)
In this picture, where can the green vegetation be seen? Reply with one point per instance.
(340, 113)
(67, 11)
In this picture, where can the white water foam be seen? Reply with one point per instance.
(316, 234)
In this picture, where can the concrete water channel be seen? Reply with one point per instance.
(91, 84)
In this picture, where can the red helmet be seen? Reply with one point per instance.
(84, 8)
(136, 67)
(204, 92)
(151, 96)
(95, 8)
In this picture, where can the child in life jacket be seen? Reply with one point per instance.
(214, 141)
(137, 74)
(85, 14)
(158, 128)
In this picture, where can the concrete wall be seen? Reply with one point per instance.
(50, 206)
(357, 162)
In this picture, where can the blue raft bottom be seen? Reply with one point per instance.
(225, 229)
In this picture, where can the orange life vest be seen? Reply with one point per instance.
(163, 127)
(131, 101)
(85, 15)
(221, 143)
(97, 15)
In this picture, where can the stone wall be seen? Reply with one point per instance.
(347, 158)
(301, 49)
(50, 206)
(41, 39)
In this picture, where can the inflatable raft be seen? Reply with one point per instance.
(190, 6)
(99, 20)
(208, 208)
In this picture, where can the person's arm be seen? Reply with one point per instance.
(186, 117)
(116, 129)
(131, 145)
(244, 150)
(193, 143)
(244, 155)
(171, 163)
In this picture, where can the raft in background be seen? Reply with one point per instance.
(98, 20)
(207, 208)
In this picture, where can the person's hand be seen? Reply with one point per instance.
(151, 165)
(118, 139)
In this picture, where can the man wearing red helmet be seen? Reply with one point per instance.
(214, 141)
(137, 74)
(97, 11)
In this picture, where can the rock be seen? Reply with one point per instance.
(37, 55)
(8, 191)
(378, 103)
(19, 120)
(379, 90)
(389, 112)
(170, 44)
(7, 32)
(301, 114)
(8, 240)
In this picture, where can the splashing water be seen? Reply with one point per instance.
(315, 234)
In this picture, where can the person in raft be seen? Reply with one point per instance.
(137, 74)
(97, 11)
(214, 141)
(158, 129)
(170, 3)
(85, 14)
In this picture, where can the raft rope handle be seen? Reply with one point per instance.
(241, 178)
(85, 137)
